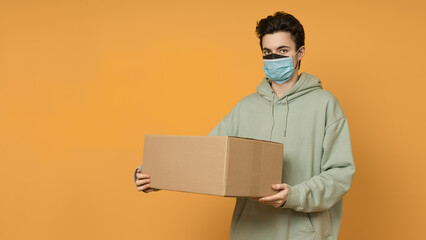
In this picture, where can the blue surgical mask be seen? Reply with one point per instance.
(278, 68)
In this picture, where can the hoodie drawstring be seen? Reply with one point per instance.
(273, 118)
(304, 85)
(286, 116)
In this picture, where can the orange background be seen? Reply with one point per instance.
(82, 82)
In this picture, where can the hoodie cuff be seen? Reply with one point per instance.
(292, 198)
(134, 174)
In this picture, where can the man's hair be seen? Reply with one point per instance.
(281, 21)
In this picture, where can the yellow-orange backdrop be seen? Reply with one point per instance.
(82, 82)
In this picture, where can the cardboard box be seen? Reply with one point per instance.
(215, 165)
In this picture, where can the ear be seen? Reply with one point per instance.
(301, 53)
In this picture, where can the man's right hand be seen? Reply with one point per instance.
(143, 181)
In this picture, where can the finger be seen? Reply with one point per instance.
(143, 187)
(138, 171)
(269, 202)
(275, 204)
(142, 176)
(270, 198)
(141, 182)
(278, 186)
(272, 203)
(278, 205)
(149, 190)
(255, 198)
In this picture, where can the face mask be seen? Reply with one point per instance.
(278, 68)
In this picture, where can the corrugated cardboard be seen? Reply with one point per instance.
(216, 165)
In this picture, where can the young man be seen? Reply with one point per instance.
(294, 110)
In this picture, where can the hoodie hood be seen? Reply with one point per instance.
(305, 84)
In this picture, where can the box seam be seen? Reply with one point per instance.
(225, 169)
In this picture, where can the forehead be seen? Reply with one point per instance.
(277, 39)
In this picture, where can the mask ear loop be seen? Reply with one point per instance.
(297, 65)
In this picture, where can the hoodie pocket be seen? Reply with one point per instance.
(309, 222)
(301, 226)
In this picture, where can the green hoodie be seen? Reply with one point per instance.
(317, 165)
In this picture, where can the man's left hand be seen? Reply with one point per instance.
(277, 200)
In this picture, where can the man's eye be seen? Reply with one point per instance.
(283, 51)
(267, 52)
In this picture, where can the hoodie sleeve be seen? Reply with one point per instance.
(323, 191)
(227, 127)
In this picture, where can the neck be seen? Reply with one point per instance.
(281, 89)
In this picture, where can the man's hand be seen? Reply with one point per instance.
(142, 182)
(277, 200)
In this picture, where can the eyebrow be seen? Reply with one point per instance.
(283, 46)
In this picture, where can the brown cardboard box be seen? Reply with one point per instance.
(216, 165)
